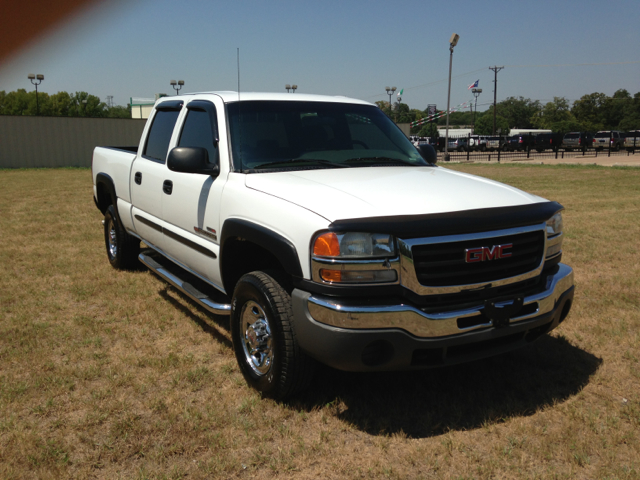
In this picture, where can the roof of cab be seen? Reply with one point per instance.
(231, 97)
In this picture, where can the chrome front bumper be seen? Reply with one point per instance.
(333, 312)
(357, 337)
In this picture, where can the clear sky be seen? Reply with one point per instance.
(350, 47)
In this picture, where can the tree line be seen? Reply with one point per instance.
(61, 104)
(591, 113)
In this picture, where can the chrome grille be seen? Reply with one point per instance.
(443, 264)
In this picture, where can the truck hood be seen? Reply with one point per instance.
(343, 193)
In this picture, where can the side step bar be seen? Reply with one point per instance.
(186, 288)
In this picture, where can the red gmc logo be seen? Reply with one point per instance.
(481, 254)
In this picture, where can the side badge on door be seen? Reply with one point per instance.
(209, 232)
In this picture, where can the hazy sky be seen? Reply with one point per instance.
(351, 47)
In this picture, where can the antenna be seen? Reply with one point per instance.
(239, 115)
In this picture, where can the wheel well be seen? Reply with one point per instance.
(241, 257)
(104, 197)
(106, 192)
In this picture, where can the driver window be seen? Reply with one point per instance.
(198, 132)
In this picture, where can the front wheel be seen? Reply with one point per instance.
(264, 341)
(122, 248)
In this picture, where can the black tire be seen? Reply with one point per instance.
(122, 248)
(264, 341)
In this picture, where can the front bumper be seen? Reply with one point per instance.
(355, 337)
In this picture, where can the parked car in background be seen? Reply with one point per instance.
(608, 139)
(577, 141)
(458, 144)
(521, 142)
(494, 143)
(478, 142)
(548, 141)
(632, 140)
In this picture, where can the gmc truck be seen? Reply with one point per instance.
(326, 236)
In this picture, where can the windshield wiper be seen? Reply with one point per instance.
(286, 163)
(379, 160)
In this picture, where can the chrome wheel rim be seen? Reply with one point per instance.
(112, 241)
(256, 338)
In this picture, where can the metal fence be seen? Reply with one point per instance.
(30, 141)
(506, 152)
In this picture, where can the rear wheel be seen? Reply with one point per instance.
(122, 248)
(264, 341)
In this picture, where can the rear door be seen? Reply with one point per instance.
(148, 173)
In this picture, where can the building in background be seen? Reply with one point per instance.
(141, 107)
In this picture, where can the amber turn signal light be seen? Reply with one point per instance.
(327, 245)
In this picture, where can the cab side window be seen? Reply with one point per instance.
(159, 136)
(200, 130)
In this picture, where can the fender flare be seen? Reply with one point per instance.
(106, 181)
(273, 242)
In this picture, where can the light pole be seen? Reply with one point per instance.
(177, 85)
(476, 93)
(293, 88)
(390, 92)
(36, 80)
(453, 41)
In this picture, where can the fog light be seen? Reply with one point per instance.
(358, 276)
(554, 249)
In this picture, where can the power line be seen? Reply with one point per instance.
(574, 64)
(431, 83)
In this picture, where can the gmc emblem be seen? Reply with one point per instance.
(481, 254)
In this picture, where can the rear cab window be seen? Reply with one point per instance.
(164, 121)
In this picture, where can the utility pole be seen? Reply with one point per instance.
(495, 69)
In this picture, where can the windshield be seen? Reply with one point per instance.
(269, 135)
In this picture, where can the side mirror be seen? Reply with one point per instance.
(428, 153)
(191, 160)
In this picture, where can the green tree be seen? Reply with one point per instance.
(484, 124)
(556, 116)
(429, 130)
(60, 104)
(118, 111)
(613, 108)
(588, 111)
(631, 114)
(518, 111)
(85, 105)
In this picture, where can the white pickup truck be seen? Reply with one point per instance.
(327, 236)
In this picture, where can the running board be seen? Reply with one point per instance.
(186, 288)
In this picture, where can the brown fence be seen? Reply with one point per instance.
(29, 141)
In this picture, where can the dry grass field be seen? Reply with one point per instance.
(108, 374)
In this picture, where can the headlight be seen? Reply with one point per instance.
(554, 225)
(354, 245)
(354, 258)
(554, 236)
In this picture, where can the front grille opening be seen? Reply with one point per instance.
(537, 332)
(427, 357)
(529, 309)
(484, 346)
(470, 299)
(474, 321)
(565, 311)
(444, 264)
(481, 319)
(377, 353)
